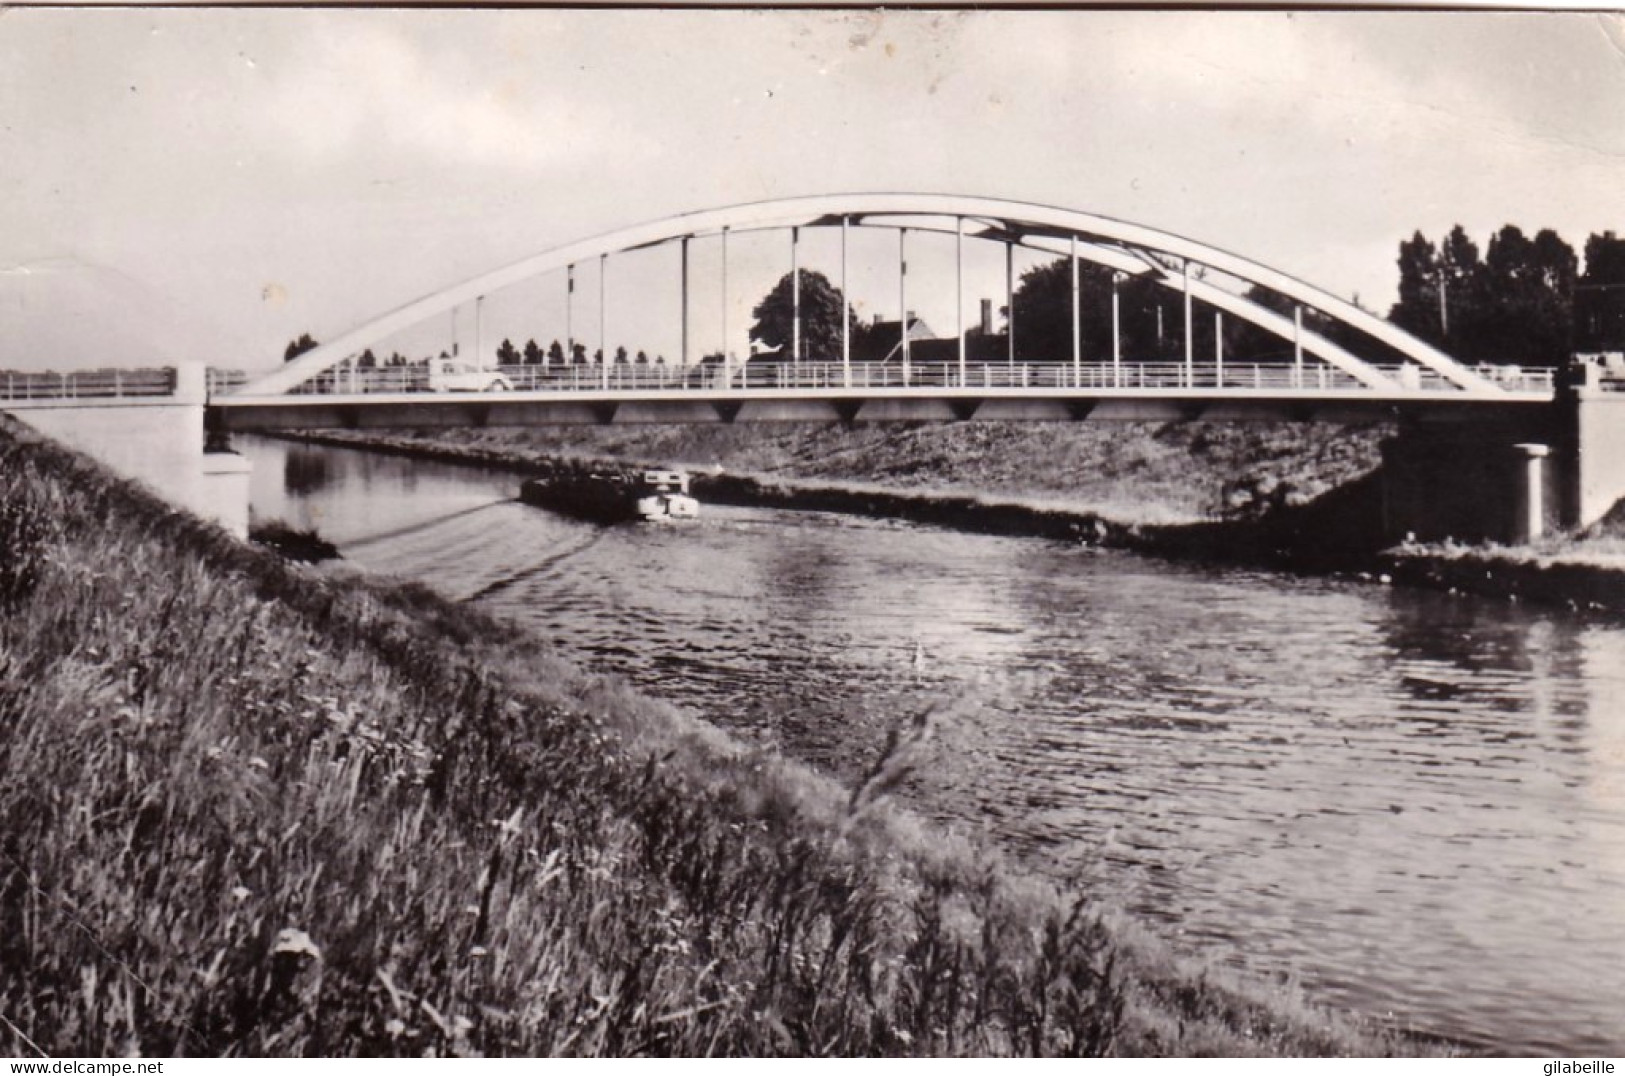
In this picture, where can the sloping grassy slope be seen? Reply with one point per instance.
(250, 810)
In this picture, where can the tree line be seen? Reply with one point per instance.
(1525, 301)
(532, 354)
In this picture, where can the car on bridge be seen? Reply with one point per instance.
(455, 375)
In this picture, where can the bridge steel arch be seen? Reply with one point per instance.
(1132, 249)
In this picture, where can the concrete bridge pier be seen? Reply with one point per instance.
(1591, 442)
(156, 440)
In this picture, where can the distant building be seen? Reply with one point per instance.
(881, 341)
(925, 347)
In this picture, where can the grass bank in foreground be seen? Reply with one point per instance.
(254, 810)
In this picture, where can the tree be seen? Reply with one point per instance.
(1461, 284)
(1441, 291)
(643, 358)
(1515, 306)
(1150, 316)
(1599, 298)
(555, 353)
(367, 361)
(298, 347)
(620, 356)
(822, 305)
(579, 354)
(1417, 310)
(1043, 312)
(1528, 288)
(507, 354)
(533, 354)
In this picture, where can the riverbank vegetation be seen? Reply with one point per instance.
(255, 810)
(1129, 473)
(295, 544)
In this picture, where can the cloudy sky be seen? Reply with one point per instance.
(185, 184)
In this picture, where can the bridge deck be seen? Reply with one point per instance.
(761, 392)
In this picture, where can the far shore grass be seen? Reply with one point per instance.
(1132, 473)
(256, 810)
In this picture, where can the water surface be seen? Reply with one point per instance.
(1412, 802)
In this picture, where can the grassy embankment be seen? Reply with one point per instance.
(253, 810)
(1132, 474)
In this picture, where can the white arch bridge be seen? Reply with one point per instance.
(957, 378)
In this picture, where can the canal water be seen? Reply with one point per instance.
(1410, 802)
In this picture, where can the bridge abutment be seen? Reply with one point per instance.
(155, 440)
(1592, 443)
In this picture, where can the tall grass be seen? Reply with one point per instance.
(251, 810)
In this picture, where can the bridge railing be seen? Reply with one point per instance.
(816, 376)
(221, 382)
(86, 384)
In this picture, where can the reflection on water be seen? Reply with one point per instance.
(1414, 802)
(305, 473)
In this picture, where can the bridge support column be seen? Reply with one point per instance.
(1077, 324)
(1117, 333)
(1010, 302)
(1297, 345)
(959, 291)
(795, 294)
(1532, 493)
